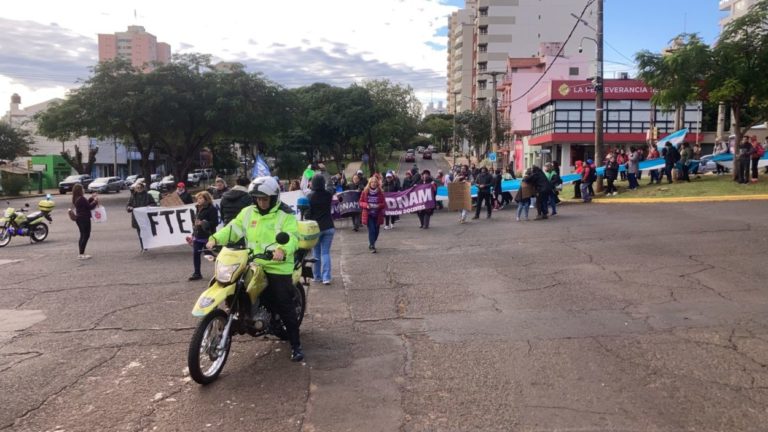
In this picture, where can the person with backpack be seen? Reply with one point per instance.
(757, 152)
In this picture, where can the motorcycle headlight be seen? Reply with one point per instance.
(224, 273)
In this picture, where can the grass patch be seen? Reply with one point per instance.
(704, 186)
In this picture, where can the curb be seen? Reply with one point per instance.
(716, 198)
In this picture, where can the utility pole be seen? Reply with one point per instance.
(494, 107)
(599, 92)
(455, 112)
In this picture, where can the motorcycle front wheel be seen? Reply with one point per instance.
(204, 359)
(5, 236)
(39, 232)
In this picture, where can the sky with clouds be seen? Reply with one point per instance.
(48, 46)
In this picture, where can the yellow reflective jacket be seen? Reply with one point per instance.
(260, 232)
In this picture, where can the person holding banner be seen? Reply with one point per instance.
(390, 184)
(425, 215)
(320, 202)
(206, 220)
(139, 198)
(83, 207)
(356, 185)
(374, 205)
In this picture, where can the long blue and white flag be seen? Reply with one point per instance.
(260, 168)
(675, 138)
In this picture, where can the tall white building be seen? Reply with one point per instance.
(735, 9)
(460, 48)
(507, 28)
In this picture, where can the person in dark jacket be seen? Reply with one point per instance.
(139, 198)
(415, 174)
(83, 207)
(555, 182)
(425, 215)
(543, 189)
(407, 181)
(670, 159)
(181, 191)
(611, 173)
(235, 200)
(356, 185)
(218, 188)
(206, 221)
(390, 184)
(320, 211)
(483, 181)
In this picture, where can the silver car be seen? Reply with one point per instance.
(106, 185)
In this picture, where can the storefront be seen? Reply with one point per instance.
(563, 119)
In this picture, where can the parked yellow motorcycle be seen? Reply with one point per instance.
(18, 223)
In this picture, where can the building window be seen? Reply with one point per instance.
(482, 85)
(482, 66)
(482, 48)
(483, 30)
(574, 71)
(484, 11)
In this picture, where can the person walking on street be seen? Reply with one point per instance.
(611, 173)
(374, 205)
(206, 221)
(483, 181)
(356, 185)
(83, 207)
(463, 176)
(586, 180)
(320, 202)
(390, 184)
(554, 182)
(523, 196)
(139, 198)
(425, 215)
(543, 189)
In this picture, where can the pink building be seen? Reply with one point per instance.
(136, 45)
(522, 75)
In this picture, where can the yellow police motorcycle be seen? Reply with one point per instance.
(232, 305)
(18, 223)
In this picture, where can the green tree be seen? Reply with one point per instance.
(740, 59)
(439, 127)
(475, 126)
(14, 142)
(677, 75)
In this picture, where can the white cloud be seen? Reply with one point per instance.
(359, 38)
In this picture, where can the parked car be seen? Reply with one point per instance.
(67, 184)
(204, 173)
(106, 185)
(165, 184)
(410, 156)
(420, 149)
(427, 154)
(130, 180)
(193, 178)
(431, 148)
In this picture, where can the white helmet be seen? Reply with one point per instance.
(265, 187)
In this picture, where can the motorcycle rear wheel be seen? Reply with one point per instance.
(300, 304)
(39, 232)
(5, 236)
(202, 348)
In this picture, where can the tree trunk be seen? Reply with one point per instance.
(736, 113)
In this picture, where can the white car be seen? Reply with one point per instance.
(164, 184)
(106, 185)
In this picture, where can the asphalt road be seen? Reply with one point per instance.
(604, 318)
(437, 162)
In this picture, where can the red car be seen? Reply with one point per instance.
(410, 156)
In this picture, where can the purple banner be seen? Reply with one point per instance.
(417, 198)
(345, 204)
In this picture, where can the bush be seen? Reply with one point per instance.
(13, 184)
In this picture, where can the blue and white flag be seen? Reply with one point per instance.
(260, 168)
(675, 138)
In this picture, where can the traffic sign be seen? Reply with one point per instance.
(492, 157)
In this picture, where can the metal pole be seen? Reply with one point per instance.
(599, 93)
(114, 141)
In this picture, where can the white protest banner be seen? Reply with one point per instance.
(166, 226)
(292, 198)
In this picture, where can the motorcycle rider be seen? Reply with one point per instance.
(259, 224)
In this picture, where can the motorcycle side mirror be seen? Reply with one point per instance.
(282, 238)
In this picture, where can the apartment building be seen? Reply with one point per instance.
(734, 9)
(510, 28)
(136, 45)
(460, 48)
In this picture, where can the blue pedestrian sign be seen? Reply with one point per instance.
(492, 157)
